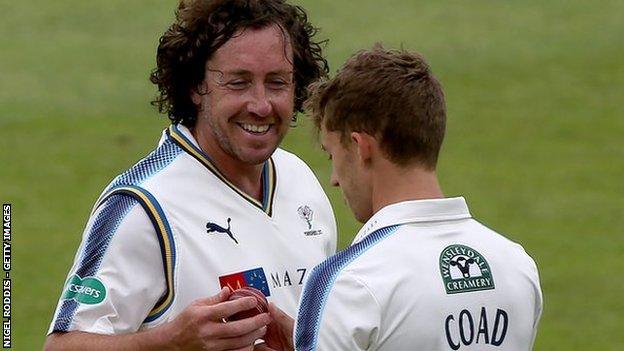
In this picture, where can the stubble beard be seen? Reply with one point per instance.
(236, 151)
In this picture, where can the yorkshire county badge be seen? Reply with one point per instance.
(306, 213)
(464, 269)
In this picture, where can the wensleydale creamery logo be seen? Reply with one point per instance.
(89, 290)
(463, 269)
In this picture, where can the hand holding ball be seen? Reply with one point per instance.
(262, 305)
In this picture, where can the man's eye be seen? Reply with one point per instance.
(278, 84)
(238, 84)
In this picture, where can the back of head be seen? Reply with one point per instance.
(201, 27)
(389, 94)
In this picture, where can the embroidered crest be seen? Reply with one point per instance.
(306, 213)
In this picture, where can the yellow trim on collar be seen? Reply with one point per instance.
(269, 177)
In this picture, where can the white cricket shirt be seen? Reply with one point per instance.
(173, 229)
(422, 275)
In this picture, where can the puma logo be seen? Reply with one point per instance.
(213, 227)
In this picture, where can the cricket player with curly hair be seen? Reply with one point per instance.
(217, 205)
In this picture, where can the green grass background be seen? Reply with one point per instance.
(535, 91)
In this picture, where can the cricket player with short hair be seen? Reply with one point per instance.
(217, 205)
(422, 273)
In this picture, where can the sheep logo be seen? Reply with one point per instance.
(463, 264)
(464, 269)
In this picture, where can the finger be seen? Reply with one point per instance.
(281, 318)
(245, 326)
(263, 347)
(242, 342)
(246, 348)
(225, 309)
(280, 330)
(276, 312)
(220, 331)
(215, 299)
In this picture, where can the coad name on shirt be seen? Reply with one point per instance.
(461, 330)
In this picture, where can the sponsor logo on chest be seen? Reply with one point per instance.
(257, 278)
(288, 278)
(254, 278)
(216, 229)
(463, 269)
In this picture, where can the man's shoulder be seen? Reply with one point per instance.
(284, 157)
(152, 164)
(288, 162)
(142, 174)
(495, 238)
(501, 251)
(350, 258)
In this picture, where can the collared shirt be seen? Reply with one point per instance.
(172, 229)
(422, 275)
(415, 211)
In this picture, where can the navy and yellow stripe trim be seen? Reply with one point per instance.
(165, 240)
(96, 242)
(319, 285)
(268, 172)
(268, 186)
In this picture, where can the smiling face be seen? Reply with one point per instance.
(349, 173)
(246, 100)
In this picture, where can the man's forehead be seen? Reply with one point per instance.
(238, 72)
(328, 138)
(267, 48)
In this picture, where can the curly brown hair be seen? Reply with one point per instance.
(201, 27)
(389, 94)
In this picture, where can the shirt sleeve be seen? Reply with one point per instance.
(349, 319)
(117, 276)
(538, 298)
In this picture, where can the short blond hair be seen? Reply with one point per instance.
(390, 94)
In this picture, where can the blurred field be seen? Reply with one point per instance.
(535, 93)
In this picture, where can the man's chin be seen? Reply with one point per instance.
(361, 215)
(255, 157)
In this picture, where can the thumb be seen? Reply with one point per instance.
(215, 299)
(263, 347)
(280, 332)
(281, 317)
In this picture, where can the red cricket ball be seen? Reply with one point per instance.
(261, 307)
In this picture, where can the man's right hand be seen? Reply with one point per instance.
(201, 326)
(279, 336)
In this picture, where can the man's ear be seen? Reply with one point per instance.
(197, 92)
(365, 145)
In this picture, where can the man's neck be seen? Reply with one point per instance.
(397, 184)
(247, 178)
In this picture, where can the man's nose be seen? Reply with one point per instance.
(260, 104)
